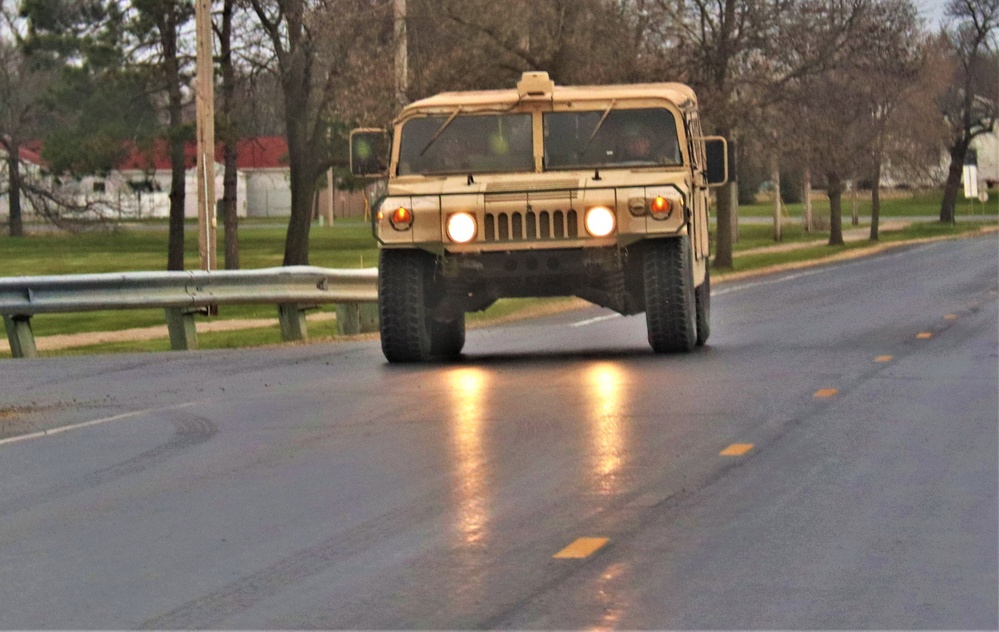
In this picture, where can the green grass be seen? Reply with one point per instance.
(916, 203)
(762, 235)
(347, 245)
(914, 232)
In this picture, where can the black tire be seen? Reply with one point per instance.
(669, 296)
(402, 308)
(447, 338)
(702, 296)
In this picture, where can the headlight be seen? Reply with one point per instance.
(461, 227)
(600, 221)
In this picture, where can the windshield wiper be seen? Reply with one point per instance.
(440, 130)
(600, 123)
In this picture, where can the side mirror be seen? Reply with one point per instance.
(716, 152)
(369, 152)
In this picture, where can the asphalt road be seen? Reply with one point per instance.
(829, 460)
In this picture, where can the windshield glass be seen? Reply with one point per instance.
(625, 138)
(467, 144)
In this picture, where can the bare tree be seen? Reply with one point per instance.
(310, 44)
(481, 44)
(22, 85)
(160, 23)
(12, 111)
(902, 86)
(229, 132)
(745, 56)
(289, 27)
(879, 100)
(972, 103)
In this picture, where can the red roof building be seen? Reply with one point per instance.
(262, 152)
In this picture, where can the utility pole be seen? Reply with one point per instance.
(401, 53)
(205, 112)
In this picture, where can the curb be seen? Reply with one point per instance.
(731, 277)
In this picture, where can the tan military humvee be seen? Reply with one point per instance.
(599, 192)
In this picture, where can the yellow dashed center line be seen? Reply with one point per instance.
(924, 335)
(826, 392)
(884, 358)
(581, 548)
(951, 317)
(737, 449)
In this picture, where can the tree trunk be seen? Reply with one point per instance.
(16, 226)
(230, 206)
(171, 65)
(953, 184)
(807, 189)
(723, 239)
(727, 197)
(775, 180)
(295, 52)
(854, 210)
(296, 245)
(835, 209)
(876, 197)
(175, 241)
(230, 154)
(303, 185)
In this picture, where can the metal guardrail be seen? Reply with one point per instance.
(293, 289)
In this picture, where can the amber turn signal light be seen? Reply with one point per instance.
(401, 218)
(660, 207)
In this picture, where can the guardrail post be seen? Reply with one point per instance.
(292, 319)
(180, 324)
(22, 341)
(356, 318)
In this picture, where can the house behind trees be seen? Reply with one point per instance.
(139, 187)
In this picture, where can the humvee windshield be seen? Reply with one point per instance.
(643, 137)
(466, 144)
(501, 143)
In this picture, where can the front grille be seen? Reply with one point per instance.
(530, 225)
(548, 190)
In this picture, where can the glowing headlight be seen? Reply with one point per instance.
(461, 228)
(599, 221)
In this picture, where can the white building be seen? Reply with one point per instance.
(987, 148)
(140, 187)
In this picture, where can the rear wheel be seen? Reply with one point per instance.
(402, 308)
(669, 296)
(702, 296)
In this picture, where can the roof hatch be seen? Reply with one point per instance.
(535, 85)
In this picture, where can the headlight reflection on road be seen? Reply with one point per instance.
(613, 596)
(605, 382)
(466, 388)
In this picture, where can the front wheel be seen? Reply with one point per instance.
(402, 304)
(670, 303)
